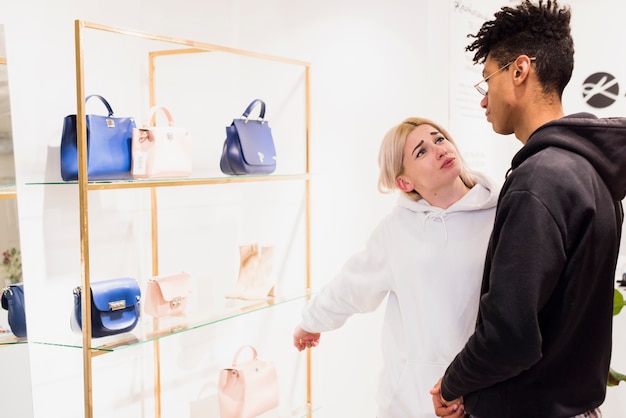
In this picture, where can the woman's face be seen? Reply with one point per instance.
(430, 161)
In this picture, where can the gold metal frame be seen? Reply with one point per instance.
(84, 186)
(9, 192)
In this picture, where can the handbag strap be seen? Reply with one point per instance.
(251, 106)
(7, 294)
(103, 100)
(152, 112)
(240, 350)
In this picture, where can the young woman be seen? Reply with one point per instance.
(426, 257)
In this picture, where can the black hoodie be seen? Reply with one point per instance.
(542, 344)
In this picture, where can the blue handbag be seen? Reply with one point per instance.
(13, 302)
(249, 145)
(115, 307)
(108, 146)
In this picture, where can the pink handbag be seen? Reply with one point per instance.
(167, 295)
(161, 151)
(248, 389)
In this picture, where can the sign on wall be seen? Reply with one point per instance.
(598, 84)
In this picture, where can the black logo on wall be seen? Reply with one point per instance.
(600, 90)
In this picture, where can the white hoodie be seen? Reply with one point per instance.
(429, 261)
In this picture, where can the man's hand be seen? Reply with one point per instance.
(445, 408)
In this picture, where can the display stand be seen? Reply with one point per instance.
(9, 192)
(85, 187)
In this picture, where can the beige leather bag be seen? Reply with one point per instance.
(249, 388)
(167, 295)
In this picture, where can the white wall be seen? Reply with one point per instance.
(373, 64)
(368, 74)
(598, 35)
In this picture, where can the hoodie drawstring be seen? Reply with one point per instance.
(438, 216)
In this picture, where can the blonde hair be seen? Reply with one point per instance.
(391, 155)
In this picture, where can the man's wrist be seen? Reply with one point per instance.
(447, 395)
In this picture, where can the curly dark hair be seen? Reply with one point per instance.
(540, 30)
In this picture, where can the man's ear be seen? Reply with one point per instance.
(522, 68)
(403, 184)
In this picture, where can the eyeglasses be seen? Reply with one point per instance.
(482, 90)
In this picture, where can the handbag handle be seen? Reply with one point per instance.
(152, 112)
(251, 106)
(240, 350)
(108, 106)
(7, 294)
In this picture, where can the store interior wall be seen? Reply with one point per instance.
(373, 64)
(15, 393)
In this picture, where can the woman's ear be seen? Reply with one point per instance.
(403, 184)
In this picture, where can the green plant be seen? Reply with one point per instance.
(12, 263)
(618, 304)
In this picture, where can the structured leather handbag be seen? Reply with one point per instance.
(108, 146)
(167, 295)
(249, 388)
(161, 151)
(249, 145)
(115, 307)
(13, 302)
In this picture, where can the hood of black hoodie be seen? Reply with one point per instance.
(602, 141)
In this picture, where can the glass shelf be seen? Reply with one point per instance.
(152, 329)
(189, 181)
(7, 338)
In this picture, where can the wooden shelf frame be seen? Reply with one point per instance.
(8, 192)
(85, 186)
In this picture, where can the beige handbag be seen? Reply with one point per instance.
(249, 388)
(167, 295)
(161, 151)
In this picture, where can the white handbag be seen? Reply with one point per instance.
(161, 151)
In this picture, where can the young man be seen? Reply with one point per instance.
(542, 343)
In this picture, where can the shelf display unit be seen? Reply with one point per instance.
(14, 351)
(159, 328)
(9, 192)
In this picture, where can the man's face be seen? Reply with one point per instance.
(498, 100)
